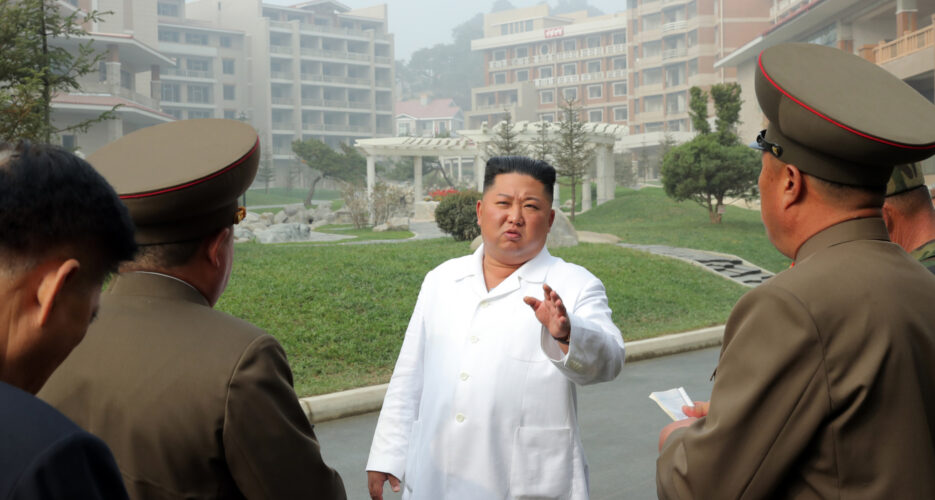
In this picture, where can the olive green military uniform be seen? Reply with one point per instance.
(825, 386)
(193, 402)
(926, 255)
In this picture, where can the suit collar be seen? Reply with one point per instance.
(533, 271)
(153, 284)
(869, 228)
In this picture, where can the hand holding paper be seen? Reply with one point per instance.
(671, 402)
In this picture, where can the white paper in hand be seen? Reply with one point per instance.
(671, 402)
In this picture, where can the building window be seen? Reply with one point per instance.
(198, 64)
(620, 37)
(594, 66)
(546, 97)
(570, 93)
(596, 115)
(227, 66)
(522, 75)
(652, 76)
(620, 89)
(569, 69)
(230, 114)
(198, 94)
(504, 29)
(545, 72)
(170, 92)
(522, 52)
(168, 35)
(529, 25)
(195, 114)
(544, 48)
(547, 117)
(620, 114)
(226, 41)
(196, 38)
(594, 41)
(652, 104)
(499, 55)
(167, 9)
(568, 45)
(499, 78)
(175, 113)
(595, 91)
(620, 63)
(676, 102)
(229, 93)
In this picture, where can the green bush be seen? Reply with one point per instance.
(456, 215)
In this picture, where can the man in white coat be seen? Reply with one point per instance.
(482, 401)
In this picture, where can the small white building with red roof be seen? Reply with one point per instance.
(426, 117)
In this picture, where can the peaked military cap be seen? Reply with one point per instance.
(839, 117)
(905, 178)
(181, 180)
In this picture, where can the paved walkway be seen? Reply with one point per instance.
(726, 265)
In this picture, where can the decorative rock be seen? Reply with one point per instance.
(425, 210)
(562, 234)
(381, 228)
(592, 237)
(281, 233)
(566, 205)
(280, 217)
(267, 217)
(243, 232)
(291, 210)
(251, 217)
(398, 224)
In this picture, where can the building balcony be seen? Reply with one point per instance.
(620, 48)
(346, 128)
(281, 101)
(651, 6)
(543, 58)
(784, 7)
(650, 88)
(567, 79)
(384, 107)
(668, 3)
(616, 74)
(674, 26)
(651, 116)
(649, 61)
(590, 52)
(495, 65)
(178, 73)
(118, 91)
(568, 55)
(280, 49)
(903, 46)
(333, 54)
(280, 75)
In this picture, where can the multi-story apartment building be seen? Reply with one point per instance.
(633, 67)
(210, 78)
(318, 69)
(127, 77)
(899, 35)
(533, 60)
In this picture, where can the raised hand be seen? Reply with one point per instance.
(551, 313)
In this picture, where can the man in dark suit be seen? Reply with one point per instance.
(193, 402)
(62, 230)
(825, 387)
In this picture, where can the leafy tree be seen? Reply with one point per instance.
(506, 139)
(668, 142)
(348, 165)
(541, 147)
(456, 215)
(712, 166)
(32, 71)
(573, 151)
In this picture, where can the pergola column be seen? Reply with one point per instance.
(585, 192)
(478, 173)
(556, 202)
(459, 168)
(417, 182)
(371, 181)
(599, 168)
(605, 174)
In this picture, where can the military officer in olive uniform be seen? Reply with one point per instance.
(910, 215)
(825, 387)
(193, 402)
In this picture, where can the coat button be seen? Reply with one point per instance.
(459, 417)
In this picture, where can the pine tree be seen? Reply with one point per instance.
(541, 148)
(573, 151)
(33, 70)
(506, 140)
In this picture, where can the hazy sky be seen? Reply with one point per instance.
(422, 23)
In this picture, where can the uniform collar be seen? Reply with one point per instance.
(533, 271)
(925, 251)
(152, 284)
(869, 228)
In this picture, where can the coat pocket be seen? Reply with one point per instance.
(413, 460)
(542, 464)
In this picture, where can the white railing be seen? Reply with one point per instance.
(592, 52)
(280, 49)
(284, 101)
(502, 63)
(307, 101)
(566, 79)
(544, 82)
(616, 49)
(616, 73)
(674, 26)
(592, 77)
(783, 6)
(543, 58)
(187, 73)
(673, 53)
(281, 75)
(520, 61)
(567, 55)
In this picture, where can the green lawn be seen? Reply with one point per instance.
(647, 216)
(340, 311)
(282, 196)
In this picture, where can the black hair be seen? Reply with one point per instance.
(50, 199)
(537, 169)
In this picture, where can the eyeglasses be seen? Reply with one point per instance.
(763, 145)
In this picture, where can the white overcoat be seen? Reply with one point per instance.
(482, 402)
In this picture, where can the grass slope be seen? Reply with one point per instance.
(283, 196)
(647, 216)
(341, 311)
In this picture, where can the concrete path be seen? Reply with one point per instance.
(619, 426)
(726, 265)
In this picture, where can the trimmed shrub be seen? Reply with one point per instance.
(456, 215)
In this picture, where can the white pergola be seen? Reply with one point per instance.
(472, 143)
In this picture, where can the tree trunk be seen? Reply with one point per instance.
(46, 84)
(574, 199)
(311, 192)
